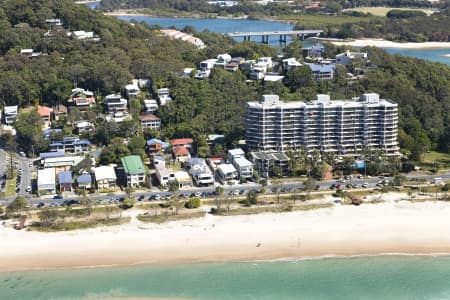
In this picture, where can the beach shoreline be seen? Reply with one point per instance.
(381, 43)
(395, 228)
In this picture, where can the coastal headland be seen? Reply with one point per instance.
(369, 229)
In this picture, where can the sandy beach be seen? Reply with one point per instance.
(393, 227)
(389, 44)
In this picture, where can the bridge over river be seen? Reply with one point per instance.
(265, 35)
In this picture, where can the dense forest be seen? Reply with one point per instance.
(214, 105)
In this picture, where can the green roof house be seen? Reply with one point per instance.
(134, 170)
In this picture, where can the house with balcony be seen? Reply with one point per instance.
(150, 105)
(163, 96)
(156, 146)
(115, 103)
(10, 114)
(164, 175)
(346, 57)
(200, 172)
(150, 121)
(105, 178)
(134, 170)
(242, 165)
(132, 90)
(227, 173)
(81, 99)
(322, 71)
(266, 163)
(185, 142)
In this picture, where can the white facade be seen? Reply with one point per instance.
(150, 105)
(115, 103)
(164, 175)
(105, 177)
(227, 173)
(163, 96)
(344, 127)
(10, 114)
(46, 182)
(347, 57)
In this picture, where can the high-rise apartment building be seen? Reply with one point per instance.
(343, 127)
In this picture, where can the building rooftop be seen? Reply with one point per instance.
(84, 179)
(157, 141)
(182, 176)
(242, 162)
(226, 168)
(46, 177)
(236, 152)
(148, 117)
(44, 111)
(133, 164)
(45, 155)
(180, 151)
(65, 177)
(182, 141)
(104, 172)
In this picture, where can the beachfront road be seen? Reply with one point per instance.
(286, 186)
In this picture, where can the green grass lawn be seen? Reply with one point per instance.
(430, 157)
(10, 189)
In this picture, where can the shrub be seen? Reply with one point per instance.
(193, 203)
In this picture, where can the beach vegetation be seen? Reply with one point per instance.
(17, 205)
(127, 203)
(194, 202)
(269, 209)
(165, 217)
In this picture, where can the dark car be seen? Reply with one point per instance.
(141, 197)
(58, 197)
(40, 204)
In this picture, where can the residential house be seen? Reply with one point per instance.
(59, 111)
(163, 96)
(84, 181)
(150, 105)
(164, 175)
(346, 57)
(105, 177)
(132, 90)
(200, 172)
(30, 53)
(181, 153)
(46, 181)
(227, 173)
(265, 61)
(70, 144)
(150, 121)
(84, 126)
(134, 170)
(187, 72)
(322, 71)
(115, 103)
(82, 99)
(213, 139)
(205, 68)
(54, 22)
(222, 60)
(183, 179)
(65, 181)
(242, 165)
(81, 34)
(289, 64)
(156, 146)
(273, 77)
(46, 155)
(223, 3)
(266, 163)
(185, 142)
(10, 114)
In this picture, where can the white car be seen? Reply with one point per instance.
(28, 189)
(364, 185)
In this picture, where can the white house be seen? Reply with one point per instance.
(150, 121)
(163, 96)
(183, 179)
(150, 105)
(163, 174)
(10, 114)
(242, 165)
(346, 57)
(115, 103)
(132, 89)
(227, 173)
(105, 177)
(46, 182)
(290, 63)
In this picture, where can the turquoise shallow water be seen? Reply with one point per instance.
(222, 26)
(383, 277)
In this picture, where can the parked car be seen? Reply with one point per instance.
(141, 197)
(58, 197)
(364, 185)
(40, 204)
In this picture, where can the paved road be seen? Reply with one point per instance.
(20, 163)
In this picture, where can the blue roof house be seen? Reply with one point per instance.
(65, 181)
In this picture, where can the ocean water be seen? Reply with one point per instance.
(378, 277)
(226, 25)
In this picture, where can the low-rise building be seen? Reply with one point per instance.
(244, 167)
(46, 181)
(346, 57)
(185, 142)
(134, 170)
(322, 71)
(266, 163)
(115, 103)
(150, 121)
(290, 64)
(105, 177)
(150, 105)
(156, 146)
(163, 96)
(181, 153)
(164, 175)
(61, 163)
(132, 90)
(59, 111)
(84, 181)
(201, 173)
(178, 35)
(65, 181)
(10, 114)
(84, 126)
(227, 173)
(183, 179)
